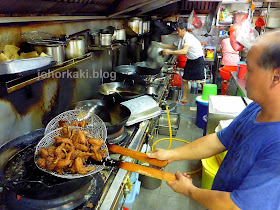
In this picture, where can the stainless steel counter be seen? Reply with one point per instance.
(237, 86)
(219, 109)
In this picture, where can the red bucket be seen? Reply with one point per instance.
(242, 71)
(225, 72)
(181, 61)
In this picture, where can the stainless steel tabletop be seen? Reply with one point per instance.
(241, 83)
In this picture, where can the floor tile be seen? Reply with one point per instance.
(172, 203)
(164, 197)
(147, 201)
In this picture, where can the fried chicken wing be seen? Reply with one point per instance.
(41, 162)
(62, 123)
(83, 123)
(43, 152)
(74, 123)
(79, 167)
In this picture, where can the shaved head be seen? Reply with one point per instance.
(270, 50)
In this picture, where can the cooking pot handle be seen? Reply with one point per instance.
(77, 34)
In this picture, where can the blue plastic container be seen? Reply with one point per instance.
(201, 113)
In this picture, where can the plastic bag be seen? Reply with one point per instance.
(190, 21)
(193, 21)
(177, 82)
(196, 22)
(234, 31)
(247, 34)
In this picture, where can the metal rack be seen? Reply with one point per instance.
(21, 82)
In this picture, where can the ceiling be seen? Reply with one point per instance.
(108, 8)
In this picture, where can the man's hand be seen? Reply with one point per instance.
(161, 154)
(182, 185)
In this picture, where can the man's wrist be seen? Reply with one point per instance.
(189, 192)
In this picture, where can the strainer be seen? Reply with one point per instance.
(41, 38)
(48, 140)
(76, 115)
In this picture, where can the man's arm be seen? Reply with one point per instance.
(177, 52)
(201, 148)
(211, 199)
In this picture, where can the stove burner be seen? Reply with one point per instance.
(69, 201)
(118, 139)
(115, 135)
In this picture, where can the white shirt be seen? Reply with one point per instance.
(195, 48)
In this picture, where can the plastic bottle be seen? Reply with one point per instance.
(194, 87)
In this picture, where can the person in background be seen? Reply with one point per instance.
(190, 46)
(249, 176)
(230, 57)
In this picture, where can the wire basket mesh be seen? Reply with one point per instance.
(77, 115)
(48, 140)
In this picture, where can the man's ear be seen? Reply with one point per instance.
(276, 76)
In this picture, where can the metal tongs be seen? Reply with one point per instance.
(147, 171)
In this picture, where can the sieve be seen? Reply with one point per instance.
(48, 140)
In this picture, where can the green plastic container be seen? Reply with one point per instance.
(208, 89)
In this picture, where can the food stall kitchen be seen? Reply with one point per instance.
(28, 101)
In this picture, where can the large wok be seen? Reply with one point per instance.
(114, 115)
(140, 73)
(122, 92)
(19, 174)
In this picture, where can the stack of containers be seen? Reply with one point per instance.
(202, 105)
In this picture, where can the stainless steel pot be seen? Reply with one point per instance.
(95, 38)
(141, 31)
(155, 52)
(76, 48)
(105, 39)
(57, 51)
(146, 26)
(136, 24)
(120, 35)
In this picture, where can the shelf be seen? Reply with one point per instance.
(21, 82)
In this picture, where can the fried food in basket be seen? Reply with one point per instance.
(70, 151)
(63, 123)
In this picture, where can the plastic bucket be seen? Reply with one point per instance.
(201, 113)
(210, 167)
(242, 71)
(224, 90)
(181, 61)
(225, 72)
(208, 89)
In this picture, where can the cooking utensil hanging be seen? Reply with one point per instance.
(44, 38)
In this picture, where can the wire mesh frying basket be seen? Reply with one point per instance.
(48, 140)
(77, 115)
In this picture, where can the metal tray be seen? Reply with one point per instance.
(141, 108)
(22, 65)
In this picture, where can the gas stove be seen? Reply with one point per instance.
(86, 197)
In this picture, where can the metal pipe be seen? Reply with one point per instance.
(266, 18)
